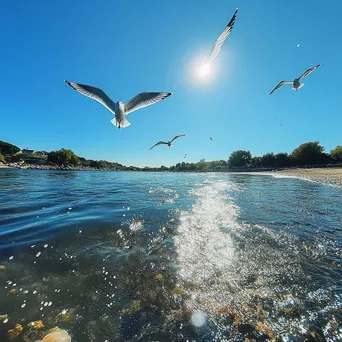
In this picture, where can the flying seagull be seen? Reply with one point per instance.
(296, 82)
(221, 39)
(211, 138)
(119, 109)
(169, 143)
(185, 155)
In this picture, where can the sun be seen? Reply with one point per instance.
(204, 69)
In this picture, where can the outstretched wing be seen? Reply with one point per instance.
(224, 35)
(279, 85)
(178, 136)
(309, 71)
(143, 100)
(94, 93)
(158, 143)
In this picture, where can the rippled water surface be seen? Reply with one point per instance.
(119, 256)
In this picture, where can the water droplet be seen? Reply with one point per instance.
(50, 303)
(5, 320)
(11, 257)
(64, 312)
(46, 245)
(38, 254)
(23, 305)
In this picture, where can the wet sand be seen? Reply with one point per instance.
(332, 176)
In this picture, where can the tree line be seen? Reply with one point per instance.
(307, 154)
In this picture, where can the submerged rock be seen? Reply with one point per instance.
(57, 336)
(16, 331)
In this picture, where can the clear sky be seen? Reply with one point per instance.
(129, 46)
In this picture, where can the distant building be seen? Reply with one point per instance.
(25, 150)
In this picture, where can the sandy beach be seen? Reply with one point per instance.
(331, 176)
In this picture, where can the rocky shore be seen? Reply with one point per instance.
(23, 165)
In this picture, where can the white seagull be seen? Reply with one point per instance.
(119, 109)
(224, 35)
(169, 143)
(296, 82)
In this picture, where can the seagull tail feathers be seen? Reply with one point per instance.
(124, 123)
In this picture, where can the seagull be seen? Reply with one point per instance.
(211, 138)
(296, 82)
(169, 143)
(185, 155)
(221, 39)
(119, 109)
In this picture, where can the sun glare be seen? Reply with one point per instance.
(204, 70)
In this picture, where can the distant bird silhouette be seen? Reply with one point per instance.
(296, 82)
(119, 109)
(211, 138)
(169, 143)
(185, 155)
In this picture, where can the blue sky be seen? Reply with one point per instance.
(129, 46)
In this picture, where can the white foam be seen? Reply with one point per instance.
(198, 318)
(203, 247)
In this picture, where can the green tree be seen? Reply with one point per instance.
(255, 162)
(268, 159)
(83, 161)
(282, 159)
(336, 154)
(309, 153)
(63, 157)
(239, 158)
(6, 148)
(2, 158)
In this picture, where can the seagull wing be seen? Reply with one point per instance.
(94, 93)
(178, 136)
(309, 71)
(224, 35)
(158, 143)
(143, 100)
(279, 85)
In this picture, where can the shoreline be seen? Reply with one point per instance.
(329, 176)
(23, 166)
(326, 175)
